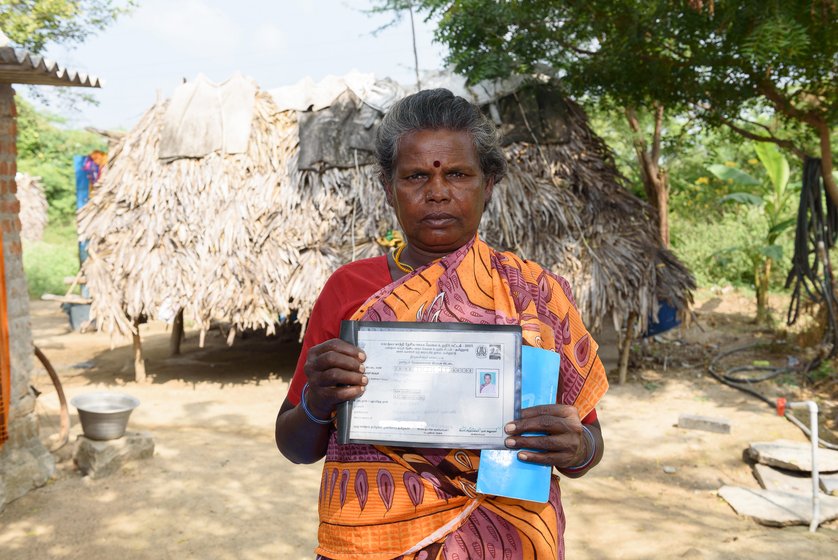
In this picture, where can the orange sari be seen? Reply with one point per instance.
(380, 503)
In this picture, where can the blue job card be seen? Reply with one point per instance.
(500, 472)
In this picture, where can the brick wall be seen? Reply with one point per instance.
(24, 462)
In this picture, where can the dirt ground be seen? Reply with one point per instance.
(217, 488)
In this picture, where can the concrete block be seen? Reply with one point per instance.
(98, 459)
(706, 423)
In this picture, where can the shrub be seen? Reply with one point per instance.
(716, 252)
(48, 261)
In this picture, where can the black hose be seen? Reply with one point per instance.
(732, 383)
(736, 383)
(815, 234)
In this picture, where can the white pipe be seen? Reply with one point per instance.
(813, 423)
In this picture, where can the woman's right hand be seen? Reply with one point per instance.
(335, 373)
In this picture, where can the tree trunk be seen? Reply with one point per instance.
(662, 193)
(826, 164)
(655, 179)
(762, 277)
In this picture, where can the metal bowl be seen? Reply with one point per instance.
(103, 415)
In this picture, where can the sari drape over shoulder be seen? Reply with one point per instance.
(380, 503)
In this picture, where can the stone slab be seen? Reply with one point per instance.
(98, 459)
(794, 482)
(777, 509)
(829, 484)
(706, 423)
(792, 455)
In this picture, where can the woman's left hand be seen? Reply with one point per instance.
(563, 443)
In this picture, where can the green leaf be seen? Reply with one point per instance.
(738, 176)
(775, 164)
(777, 229)
(743, 198)
(774, 252)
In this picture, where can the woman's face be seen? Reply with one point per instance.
(438, 190)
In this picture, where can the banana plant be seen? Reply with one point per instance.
(775, 198)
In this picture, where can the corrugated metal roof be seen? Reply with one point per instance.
(18, 66)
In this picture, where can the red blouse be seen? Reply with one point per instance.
(345, 291)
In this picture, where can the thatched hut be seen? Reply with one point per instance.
(248, 230)
(33, 206)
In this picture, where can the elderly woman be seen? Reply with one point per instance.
(439, 161)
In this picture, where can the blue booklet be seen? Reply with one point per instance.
(500, 472)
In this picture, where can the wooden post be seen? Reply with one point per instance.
(177, 334)
(139, 362)
(626, 346)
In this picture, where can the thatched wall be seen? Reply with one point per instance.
(246, 238)
(566, 206)
(203, 235)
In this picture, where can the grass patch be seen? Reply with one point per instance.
(48, 261)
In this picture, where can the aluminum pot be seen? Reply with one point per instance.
(104, 415)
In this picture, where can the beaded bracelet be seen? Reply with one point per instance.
(592, 445)
(309, 414)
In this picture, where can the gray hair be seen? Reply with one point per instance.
(438, 109)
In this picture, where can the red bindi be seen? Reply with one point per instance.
(436, 163)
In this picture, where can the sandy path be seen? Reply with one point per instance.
(216, 487)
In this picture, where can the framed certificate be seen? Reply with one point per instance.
(452, 385)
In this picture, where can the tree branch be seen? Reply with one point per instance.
(639, 142)
(826, 162)
(765, 127)
(656, 139)
(574, 48)
(781, 142)
(678, 56)
(648, 167)
(631, 116)
(783, 103)
(812, 118)
(787, 144)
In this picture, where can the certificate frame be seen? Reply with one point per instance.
(428, 384)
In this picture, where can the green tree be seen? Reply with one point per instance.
(718, 60)
(774, 197)
(34, 24)
(46, 149)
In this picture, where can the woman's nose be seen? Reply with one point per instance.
(437, 189)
